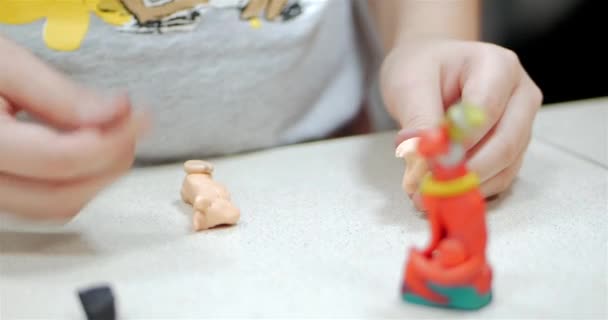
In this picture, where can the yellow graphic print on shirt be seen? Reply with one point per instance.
(67, 21)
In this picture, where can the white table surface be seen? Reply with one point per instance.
(324, 233)
(581, 128)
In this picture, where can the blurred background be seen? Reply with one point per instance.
(561, 43)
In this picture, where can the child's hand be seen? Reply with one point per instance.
(51, 169)
(421, 78)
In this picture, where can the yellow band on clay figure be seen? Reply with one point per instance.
(455, 187)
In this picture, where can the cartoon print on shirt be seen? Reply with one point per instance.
(183, 15)
(272, 8)
(162, 16)
(67, 21)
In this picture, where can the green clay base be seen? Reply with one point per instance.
(465, 298)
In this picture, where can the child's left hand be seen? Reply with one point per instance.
(422, 77)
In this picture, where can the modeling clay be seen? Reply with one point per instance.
(98, 303)
(452, 271)
(210, 200)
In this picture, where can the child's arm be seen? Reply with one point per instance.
(81, 143)
(433, 59)
(397, 20)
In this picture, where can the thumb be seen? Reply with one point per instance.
(416, 100)
(29, 84)
(414, 97)
(415, 165)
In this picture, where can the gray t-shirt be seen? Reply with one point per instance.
(217, 82)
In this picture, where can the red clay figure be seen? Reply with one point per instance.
(452, 271)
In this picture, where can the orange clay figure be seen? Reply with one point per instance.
(452, 271)
(209, 199)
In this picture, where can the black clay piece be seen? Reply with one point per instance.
(98, 303)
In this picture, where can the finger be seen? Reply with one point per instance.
(418, 202)
(489, 82)
(492, 187)
(35, 199)
(407, 148)
(41, 153)
(471, 152)
(415, 164)
(6, 109)
(502, 181)
(512, 133)
(33, 86)
(401, 138)
(413, 176)
(415, 96)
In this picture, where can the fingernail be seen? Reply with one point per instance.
(407, 148)
(399, 153)
(405, 134)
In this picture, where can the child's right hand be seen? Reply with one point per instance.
(82, 142)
